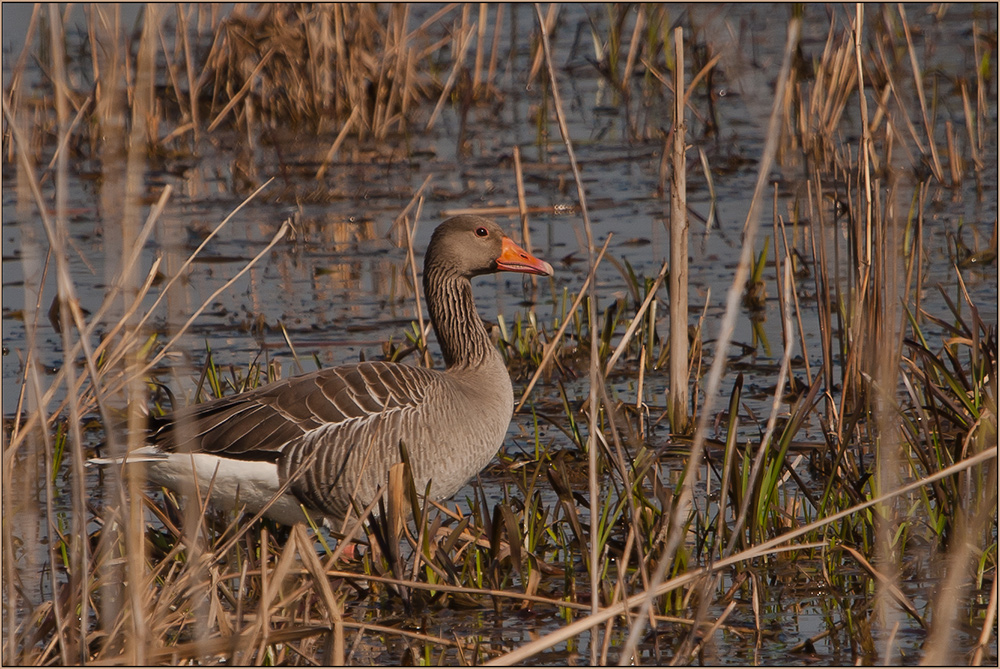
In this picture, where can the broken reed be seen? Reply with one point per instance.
(259, 594)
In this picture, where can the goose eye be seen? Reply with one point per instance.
(482, 232)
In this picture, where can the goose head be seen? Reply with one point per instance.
(472, 245)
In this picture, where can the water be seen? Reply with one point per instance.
(341, 286)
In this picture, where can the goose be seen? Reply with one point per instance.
(329, 437)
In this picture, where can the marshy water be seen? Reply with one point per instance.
(338, 287)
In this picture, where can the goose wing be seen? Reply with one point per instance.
(260, 424)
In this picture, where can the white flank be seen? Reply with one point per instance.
(235, 484)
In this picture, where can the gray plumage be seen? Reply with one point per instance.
(336, 432)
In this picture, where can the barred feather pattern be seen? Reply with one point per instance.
(460, 333)
(336, 432)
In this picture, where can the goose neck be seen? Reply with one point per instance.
(460, 332)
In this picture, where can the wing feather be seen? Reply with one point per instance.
(259, 424)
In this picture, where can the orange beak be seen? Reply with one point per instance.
(515, 259)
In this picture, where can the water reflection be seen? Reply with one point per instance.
(340, 284)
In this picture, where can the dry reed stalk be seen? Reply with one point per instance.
(706, 172)
(384, 97)
(854, 301)
(697, 634)
(522, 207)
(782, 305)
(770, 547)
(828, 95)
(341, 136)
(194, 83)
(320, 581)
(321, 52)
(78, 599)
(815, 101)
(522, 204)
(637, 320)
(270, 586)
(406, 71)
(970, 126)
(982, 92)
(117, 283)
(353, 96)
(640, 404)
(494, 49)
(989, 620)
(595, 378)
(918, 81)
(767, 441)
(823, 291)
(502, 210)
(462, 48)
(881, 111)
(883, 376)
(236, 99)
(15, 88)
(27, 464)
(789, 258)
(21, 476)
(581, 625)
(82, 344)
(458, 589)
(432, 19)
(901, 108)
(412, 262)
(946, 616)
(633, 50)
(550, 347)
(64, 139)
(616, 596)
(171, 70)
(677, 402)
(233, 646)
(866, 149)
(327, 62)
(628, 482)
(548, 25)
(122, 194)
(477, 68)
(401, 216)
(954, 159)
(887, 583)
(278, 236)
(400, 96)
(727, 326)
(729, 460)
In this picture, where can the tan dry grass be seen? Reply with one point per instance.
(236, 595)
